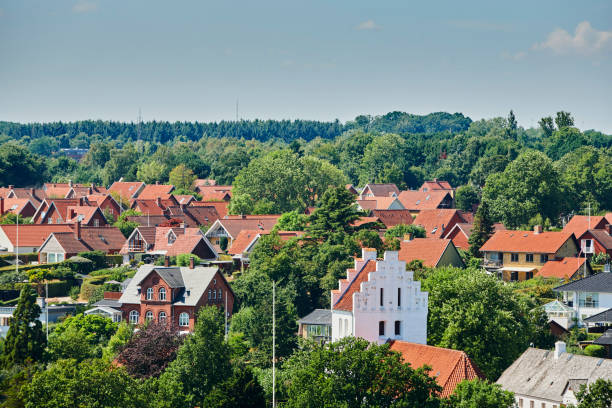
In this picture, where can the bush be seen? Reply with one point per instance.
(80, 265)
(112, 260)
(26, 258)
(595, 350)
(97, 257)
(74, 292)
(183, 259)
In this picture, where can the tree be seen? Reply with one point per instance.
(387, 160)
(563, 141)
(25, 340)
(291, 221)
(564, 119)
(126, 226)
(151, 172)
(466, 197)
(320, 175)
(596, 395)
(401, 230)
(511, 127)
(181, 177)
(201, 363)
(11, 218)
(71, 343)
(241, 390)
(150, 350)
(20, 167)
(486, 166)
(116, 343)
(335, 212)
(481, 230)
(96, 329)
(480, 394)
(528, 186)
(355, 373)
(547, 126)
(90, 383)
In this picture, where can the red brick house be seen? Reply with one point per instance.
(106, 202)
(598, 240)
(174, 295)
(17, 206)
(437, 222)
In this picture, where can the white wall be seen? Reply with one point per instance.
(537, 402)
(342, 324)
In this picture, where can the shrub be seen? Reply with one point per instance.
(595, 350)
(74, 292)
(80, 265)
(183, 259)
(97, 257)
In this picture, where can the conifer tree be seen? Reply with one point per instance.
(482, 230)
(25, 340)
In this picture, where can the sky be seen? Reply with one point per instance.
(200, 60)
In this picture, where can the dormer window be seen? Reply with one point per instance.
(149, 293)
(171, 238)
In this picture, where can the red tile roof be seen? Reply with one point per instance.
(392, 218)
(438, 221)
(448, 367)
(428, 250)
(17, 205)
(204, 182)
(602, 236)
(69, 243)
(364, 220)
(151, 206)
(184, 244)
(184, 198)
(608, 217)
(243, 240)
(57, 190)
(216, 196)
(126, 189)
(526, 241)
(220, 206)
(435, 185)
(345, 301)
(86, 212)
(106, 239)
(564, 268)
(153, 191)
(36, 195)
(377, 203)
(234, 225)
(420, 200)
(32, 235)
(381, 190)
(579, 224)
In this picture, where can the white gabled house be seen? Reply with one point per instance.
(588, 296)
(379, 300)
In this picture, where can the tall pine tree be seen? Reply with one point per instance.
(25, 340)
(482, 230)
(335, 212)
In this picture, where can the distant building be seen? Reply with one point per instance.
(316, 326)
(55, 312)
(378, 301)
(588, 296)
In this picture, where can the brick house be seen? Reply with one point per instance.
(174, 294)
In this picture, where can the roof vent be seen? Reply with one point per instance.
(600, 361)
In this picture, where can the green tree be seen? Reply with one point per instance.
(466, 197)
(480, 394)
(126, 226)
(481, 230)
(563, 141)
(564, 120)
(291, 221)
(528, 186)
(387, 160)
(25, 340)
(201, 363)
(320, 175)
(512, 126)
(335, 212)
(241, 390)
(11, 218)
(96, 329)
(596, 395)
(123, 163)
(71, 343)
(20, 167)
(151, 172)
(486, 166)
(547, 125)
(181, 177)
(401, 230)
(355, 373)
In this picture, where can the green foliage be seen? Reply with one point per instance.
(481, 230)
(480, 394)
(594, 350)
(466, 197)
(182, 177)
(152, 172)
(291, 221)
(20, 167)
(401, 230)
(80, 264)
(355, 373)
(223, 243)
(335, 212)
(25, 340)
(596, 395)
(126, 226)
(118, 340)
(183, 259)
(96, 329)
(71, 342)
(11, 218)
(241, 390)
(98, 258)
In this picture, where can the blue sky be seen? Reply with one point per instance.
(191, 60)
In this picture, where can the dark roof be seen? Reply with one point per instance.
(172, 276)
(603, 237)
(108, 303)
(601, 282)
(601, 317)
(604, 339)
(318, 316)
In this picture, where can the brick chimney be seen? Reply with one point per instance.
(191, 262)
(1, 205)
(81, 201)
(537, 229)
(11, 187)
(166, 261)
(77, 230)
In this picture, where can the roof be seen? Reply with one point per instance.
(392, 218)
(557, 306)
(16, 205)
(428, 250)
(68, 242)
(538, 374)
(345, 300)
(579, 224)
(220, 206)
(318, 316)
(152, 206)
(605, 339)
(195, 281)
(233, 226)
(153, 191)
(106, 239)
(126, 189)
(243, 240)
(449, 367)
(204, 182)
(422, 200)
(171, 275)
(602, 237)
(106, 309)
(601, 317)
(185, 244)
(199, 215)
(563, 268)
(547, 242)
(364, 220)
(601, 282)
(57, 190)
(216, 195)
(85, 213)
(382, 190)
(436, 221)
(184, 198)
(108, 303)
(435, 184)
(36, 195)
(32, 235)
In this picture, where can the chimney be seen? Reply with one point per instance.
(69, 183)
(81, 201)
(166, 261)
(1, 205)
(158, 201)
(77, 232)
(157, 183)
(32, 192)
(11, 186)
(191, 262)
(559, 349)
(609, 229)
(537, 229)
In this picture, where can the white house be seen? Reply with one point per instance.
(379, 300)
(588, 296)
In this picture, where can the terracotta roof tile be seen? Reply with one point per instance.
(420, 200)
(526, 241)
(57, 190)
(364, 220)
(126, 189)
(448, 367)
(33, 235)
(392, 218)
(579, 224)
(234, 225)
(602, 237)
(438, 221)
(17, 205)
(564, 268)
(85, 212)
(381, 190)
(428, 250)
(184, 244)
(204, 182)
(153, 191)
(220, 206)
(345, 301)
(435, 185)
(243, 240)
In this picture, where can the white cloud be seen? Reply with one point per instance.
(585, 41)
(513, 56)
(368, 25)
(84, 7)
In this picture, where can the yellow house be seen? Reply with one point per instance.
(519, 255)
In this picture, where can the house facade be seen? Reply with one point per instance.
(379, 300)
(588, 296)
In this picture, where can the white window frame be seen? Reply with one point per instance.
(134, 316)
(149, 295)
(161, 317)
(184, 319)
(161, 293)
(149, 316)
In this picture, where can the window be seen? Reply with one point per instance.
(381, 328)
(184, 319)
(543, 258)
(531, 404)
(134, 316)
(399, 297)
(51, 257)
(513, 276)
(59, 257)
(214, 294)
(162, 317)
(513, 257)
(588, 299)
(209, 294)
(50, 221)
(382, 294)
(529, 275)
(171, 238)
(149, 293)
(529, 257)
(220, 293)
(397, 327)
(58, 220)
(149, 316)
(96, 223)
(162, 293)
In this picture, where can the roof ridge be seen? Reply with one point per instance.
(351, 281)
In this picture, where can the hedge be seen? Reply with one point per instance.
(11, 268)
(112, 260)
(56, 288)
(89, 286)
(25, 257)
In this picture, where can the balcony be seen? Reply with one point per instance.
(136, 248)
(492, 263)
